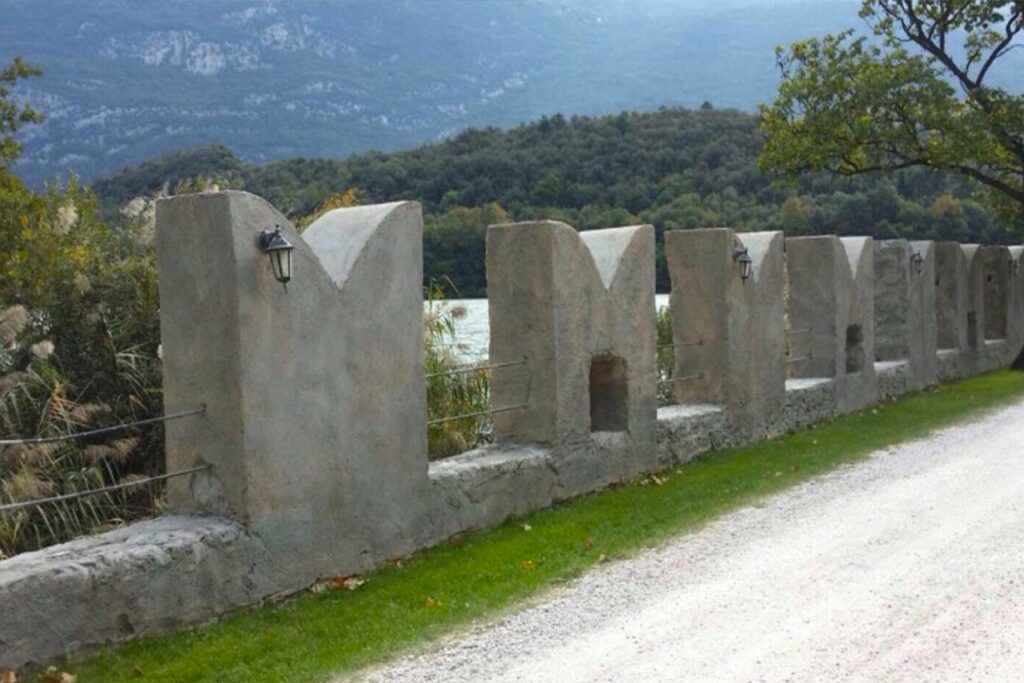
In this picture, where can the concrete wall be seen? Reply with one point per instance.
(975, 308)
(951, 296)
(995, 263)
(1016, 342)
(905, 321)
(580, 308)
(729, 331)
(315, 400)
(315, 432)
(830, 311)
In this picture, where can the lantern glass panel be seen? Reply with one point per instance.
(281, 259)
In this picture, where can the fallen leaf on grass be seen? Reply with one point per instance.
(431, 603)
(527, 527)
(528, 564)
(335, 582)
(137, 672)
(589, 542)
(54, 675)
(602, 558)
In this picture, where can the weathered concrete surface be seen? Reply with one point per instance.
(972, 359)
(484, 487)
(905, 322)
(809, 400)
(995, 262)
(830, 309)
(922, 292)
(316, 402)
(687, 431)
(950, 364)
(143, 579)
(951, 296)
(580, 308)
(1016, 302)
(729, 330)
(893, 378)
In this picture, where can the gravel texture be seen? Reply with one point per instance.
(906, 566)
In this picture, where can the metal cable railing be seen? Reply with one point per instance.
(102, 430)
(10, 507)
(479, 413)
(476, 368)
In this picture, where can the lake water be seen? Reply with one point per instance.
(473, 332)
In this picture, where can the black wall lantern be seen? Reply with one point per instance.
(742, 257)
(917, 261)
(279, 250)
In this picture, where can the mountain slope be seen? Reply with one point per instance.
(125, 80)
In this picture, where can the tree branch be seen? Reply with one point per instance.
(1000, 49)
(994, 183)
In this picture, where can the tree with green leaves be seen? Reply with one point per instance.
(919, 94)
(12, 114)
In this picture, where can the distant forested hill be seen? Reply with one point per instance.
(674, 168)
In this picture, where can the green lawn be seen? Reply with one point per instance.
(315, 635)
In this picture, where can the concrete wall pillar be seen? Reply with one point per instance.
(580, 308)
(975, 307)
(922, 293)
(729, 330)
(830, 310)
(816, 306)
(951, 296)
(316, 405)
(995, 262)
(1016, 302)
(905, 324)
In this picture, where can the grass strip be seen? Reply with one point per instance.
(315, 636)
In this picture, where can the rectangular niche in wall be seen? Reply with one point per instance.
(972, 328)
(854, 349)
(608, 394)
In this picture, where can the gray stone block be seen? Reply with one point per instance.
(893, 378)
(688, 431)
(810, 400)
(142, 579)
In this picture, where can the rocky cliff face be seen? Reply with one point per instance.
(126, 80)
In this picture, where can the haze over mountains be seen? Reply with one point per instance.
(126, 79)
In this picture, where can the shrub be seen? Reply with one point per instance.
(80, 335)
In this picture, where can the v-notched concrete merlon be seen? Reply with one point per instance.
(315, 432)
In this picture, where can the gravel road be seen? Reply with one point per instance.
(906, 566)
